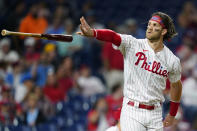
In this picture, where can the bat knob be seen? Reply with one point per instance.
(3, 32)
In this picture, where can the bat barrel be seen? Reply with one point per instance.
(57, 37)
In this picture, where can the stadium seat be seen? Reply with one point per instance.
(46, 127)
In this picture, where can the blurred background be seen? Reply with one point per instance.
(56, 86)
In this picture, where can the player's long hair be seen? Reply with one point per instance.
(169, 25)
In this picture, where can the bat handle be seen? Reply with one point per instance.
(4, 32)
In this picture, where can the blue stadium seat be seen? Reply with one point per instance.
(80, 127)
(57, 120)
(72, 128)
(69, 122)
(27, 128)
(46, 127)
(13, 128)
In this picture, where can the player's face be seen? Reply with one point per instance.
(154, 30)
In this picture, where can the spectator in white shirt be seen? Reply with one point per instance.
(5, 53)
(90, 85)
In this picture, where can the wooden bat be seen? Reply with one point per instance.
(56, 37)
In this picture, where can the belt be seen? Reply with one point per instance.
(139, 105)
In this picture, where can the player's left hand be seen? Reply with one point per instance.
(86, 30)
(168, 120)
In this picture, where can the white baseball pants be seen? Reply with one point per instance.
(137, 119)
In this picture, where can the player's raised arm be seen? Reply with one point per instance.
(100, 34)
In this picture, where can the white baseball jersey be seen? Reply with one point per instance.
(145, 72)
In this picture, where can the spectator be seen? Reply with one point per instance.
(90, 85)
(51, 52)
(68, 8)
(13, 77)
(114, 101)
(189, 97)
(113, 65)
(40, 69)
(9, 109)
(33, 115)
(76, 89)
(52, 90)
(6, 114)
(30, 53)
(44, 104)
(91, 20)
(97, 120)
(2, 84)
(116, 127)
(33, 23)
(86, 7)
(6, 54)
(55, 27)
(133, 29)
(64, 75)
(60, 11)
(65, 48)
(188, 59)
(22, 91)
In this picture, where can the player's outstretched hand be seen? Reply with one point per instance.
(168, 120)
(86, 30)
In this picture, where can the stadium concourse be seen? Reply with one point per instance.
(77, 86)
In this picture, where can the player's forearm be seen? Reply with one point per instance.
(176, 91)
(108, 36)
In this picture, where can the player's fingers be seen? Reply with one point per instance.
(166, 123)
(82, 28)
(84, 23)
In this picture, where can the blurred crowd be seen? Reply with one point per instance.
(79, 83)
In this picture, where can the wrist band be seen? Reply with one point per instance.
(174, 108)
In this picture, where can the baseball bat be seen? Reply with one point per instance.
(56, 37)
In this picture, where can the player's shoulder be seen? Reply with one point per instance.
(171, 56)
(130, 37)
(126, 36)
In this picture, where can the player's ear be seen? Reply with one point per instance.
(164, 31)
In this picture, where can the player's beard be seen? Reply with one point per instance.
(154, 36)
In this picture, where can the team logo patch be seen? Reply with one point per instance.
(154, 67)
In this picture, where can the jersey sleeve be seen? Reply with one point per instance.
(127, 42)
(175, 74)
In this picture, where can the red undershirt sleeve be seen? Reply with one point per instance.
(108, 36)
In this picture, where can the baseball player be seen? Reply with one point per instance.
(147, 65)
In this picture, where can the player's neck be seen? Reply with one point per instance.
(156, 45)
